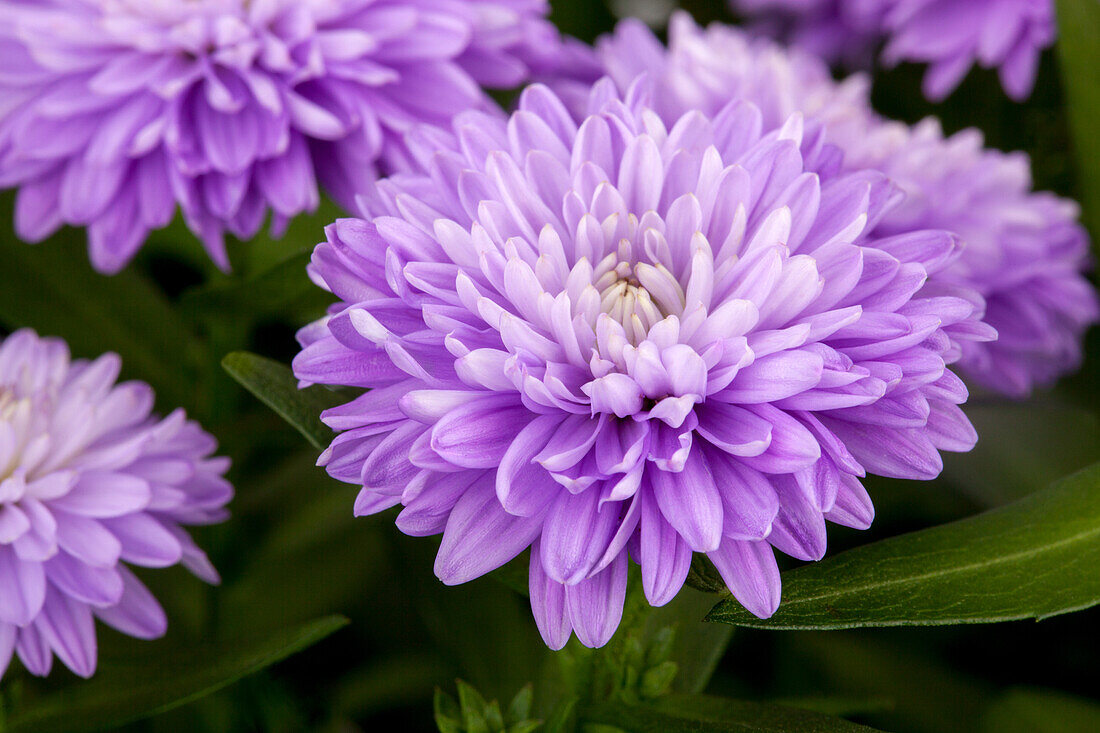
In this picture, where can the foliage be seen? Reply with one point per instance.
(1032, 559)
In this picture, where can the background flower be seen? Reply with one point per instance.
(1024, 251)
(627, 338)
(114, 112)
(91, 481)
(950, 36)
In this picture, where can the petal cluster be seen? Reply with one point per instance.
(948, 35)
(116, 112)
(1024, 252)
(91, 482)
(627, 338)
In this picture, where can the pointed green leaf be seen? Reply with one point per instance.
(448, 715)
(275, 386)
(564, 717)
(519, 709)
(525, 726)
(473, 708)
(696, 647)
(494, 717)
(1079, 53)
(1031, 559)
(705, 714)
(702, 575)
(159, 680)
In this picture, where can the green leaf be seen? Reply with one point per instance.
(525, 726)
(275, 386)
(703, 576)
(696, 647)
(658, 680)
(54, 290)
(1079, 53)
(1031, 710)
(448, 715)
(494, 717)
(564, 717)
(705, 714)
(520, 708)
(473, 708)
(1032, 559)
(660, 646)
(158, 680)
(840, 706)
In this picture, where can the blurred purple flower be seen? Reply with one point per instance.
(949, 35)
(1024, 251)
(634, 339)
(116, 111)
(89, 480)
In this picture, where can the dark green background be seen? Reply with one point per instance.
(293, 552)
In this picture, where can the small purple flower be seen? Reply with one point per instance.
(90, 479)
(949, 35)
(115, 112)
(632, 339)
(1024, 251)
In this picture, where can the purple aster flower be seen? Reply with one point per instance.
(116, 111)
(948, 35)
(90, 479)
(632, 339)
(1025, 251)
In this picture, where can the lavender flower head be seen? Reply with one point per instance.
(632, 339)
(1024, 251)
(90, 481)
(116, 111)
(949, 35)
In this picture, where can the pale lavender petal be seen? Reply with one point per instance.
(664, 556)
(576, 533)
(480, 536)
(596, 605)
(690, 502)
(548, 604)
(137, 614)
(750, 572)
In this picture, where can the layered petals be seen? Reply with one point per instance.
(967, 214)
(1007, 35)
(616, 338)
(90, 481)
(230, 110)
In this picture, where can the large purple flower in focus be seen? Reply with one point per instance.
(949, 35)
(90, 481)
(627, 339)
(1024, 251)
(115, 111)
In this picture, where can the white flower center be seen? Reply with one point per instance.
(636, 294)
(16, 413)
(7, 404)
